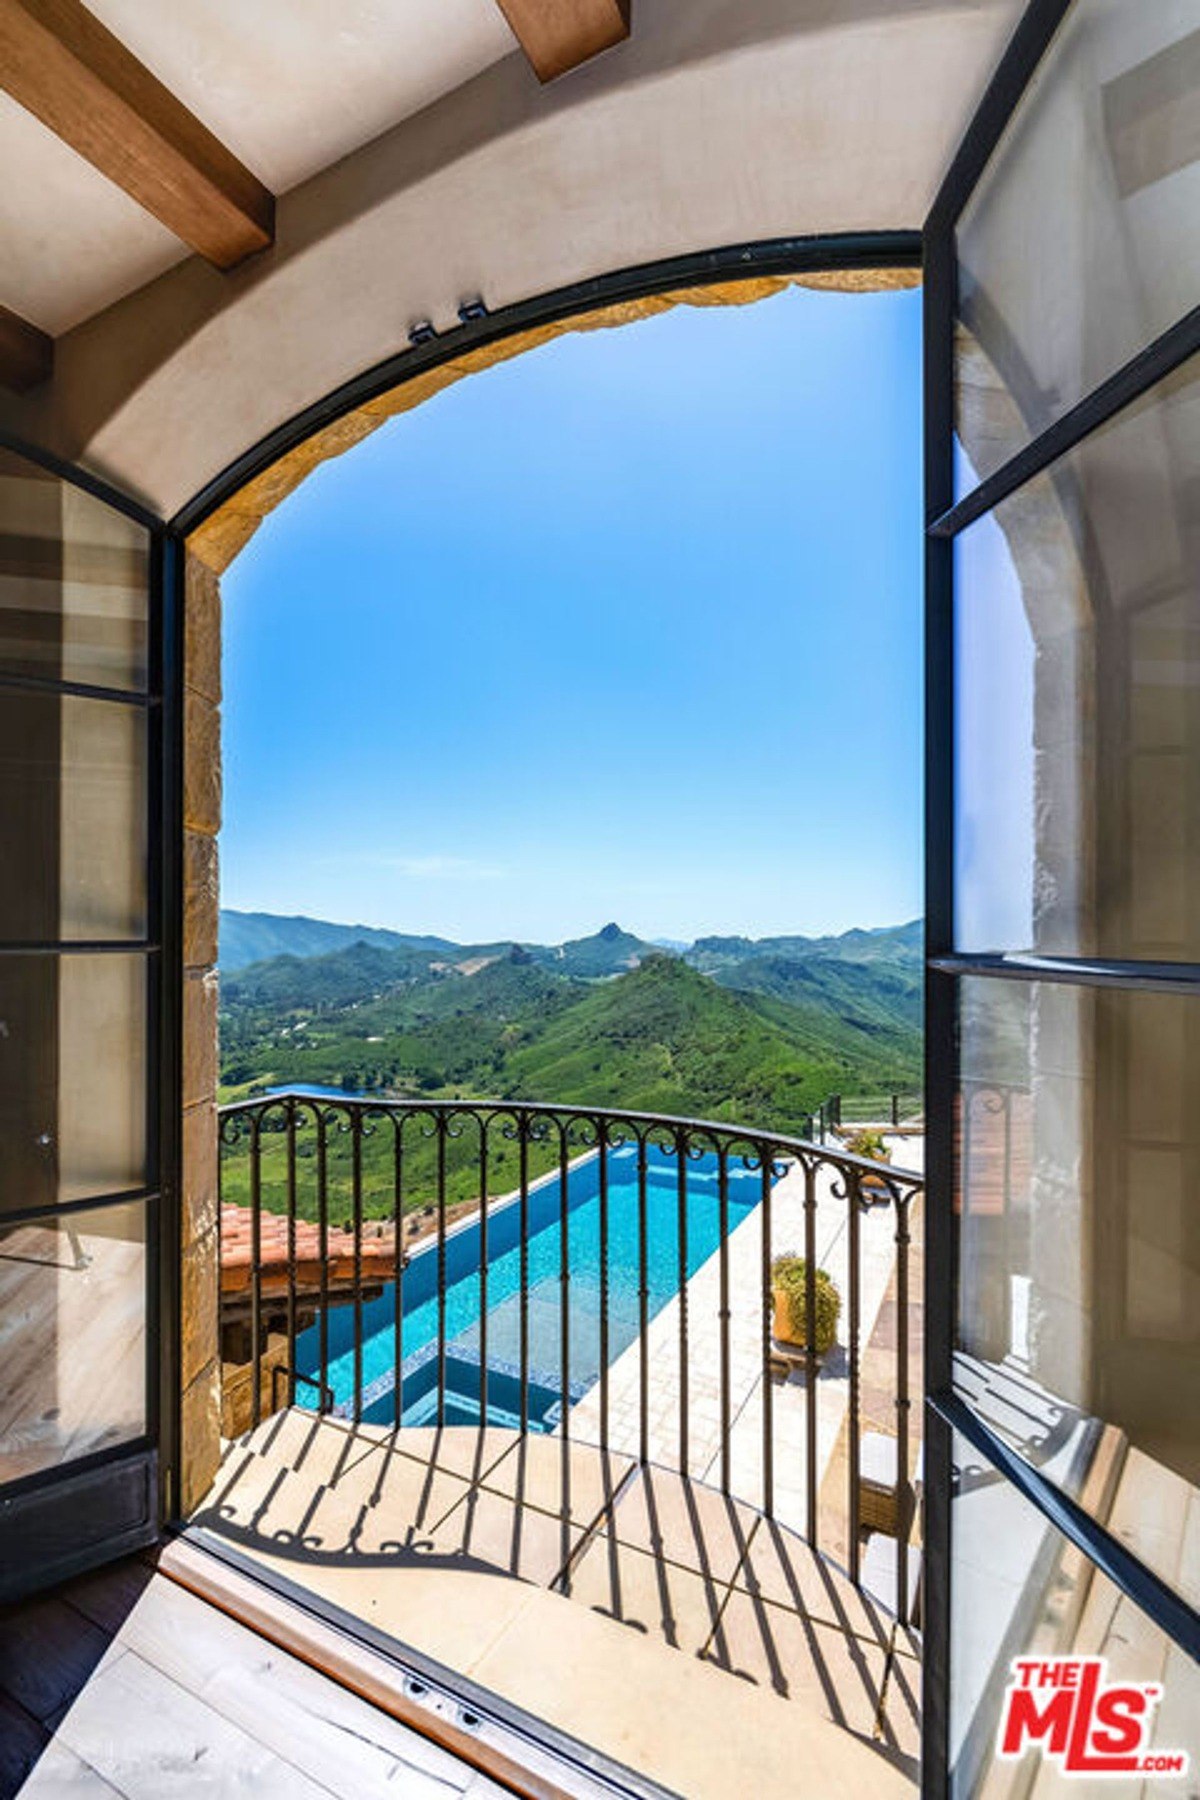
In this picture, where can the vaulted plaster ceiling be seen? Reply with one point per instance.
(288, 88)
(418, 162)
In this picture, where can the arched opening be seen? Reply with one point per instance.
(448, 1151)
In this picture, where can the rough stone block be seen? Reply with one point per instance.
(200, 1437)
(199, 1037)
(201, 900)
(202, 630)
(199, 1304)
(201, 765)
(200, 1173)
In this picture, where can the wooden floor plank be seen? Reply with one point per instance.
(338, 1740)
(61, 1775)
(108, 1596)
(152, 1740)
(125, 1683)
(22, 1741)
(47, 1651)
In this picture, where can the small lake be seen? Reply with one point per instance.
(313, 1092)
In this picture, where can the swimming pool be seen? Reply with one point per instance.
(464, 1294)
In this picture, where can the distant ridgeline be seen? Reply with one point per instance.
(756, 1031)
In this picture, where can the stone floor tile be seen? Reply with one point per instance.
(780, 1568)
(556, 1477)
(688, 1524)
(650, 1595)
(517, 1540)
(800, 1659)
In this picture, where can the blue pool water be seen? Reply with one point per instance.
(465, 1297)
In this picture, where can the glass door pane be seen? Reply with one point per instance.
(1063, 1046)
(80, 946)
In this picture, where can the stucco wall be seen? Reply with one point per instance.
(721, 122)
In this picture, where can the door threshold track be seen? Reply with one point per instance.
(534, 1760)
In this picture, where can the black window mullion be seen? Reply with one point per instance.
(941, 1070)
(1165, 1608)
(1078, 971)
(1141, 373)
(80, 690)
(49, 1214)
(1026, 48)
(80, 478)
(81, 947)
(164, 1096)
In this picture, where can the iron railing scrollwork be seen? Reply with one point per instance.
(442, 1262)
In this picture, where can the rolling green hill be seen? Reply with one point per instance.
(665, 1038)
(609, 951)
(661, 1037)
(894, 946)
(883, 1001)
(254, 937)
(338, 978)
(762, 1039)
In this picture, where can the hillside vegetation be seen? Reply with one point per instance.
(729, 1027)
(750, 1032)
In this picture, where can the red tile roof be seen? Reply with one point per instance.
(378, 1261)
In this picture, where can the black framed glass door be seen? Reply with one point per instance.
(1063, 903)
(88, 772)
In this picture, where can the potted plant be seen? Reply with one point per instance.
(869, 1142)
(789, 1281)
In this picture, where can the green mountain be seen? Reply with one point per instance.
(661, 1037)
(249, 938)
(875, 999)
(253, 937)
(890, 944)
(342, 977)
(609, 951)
(605, 1020)
(665, 1038)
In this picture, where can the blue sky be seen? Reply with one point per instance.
(627, 628)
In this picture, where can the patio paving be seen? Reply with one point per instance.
(645, 1614)
(668, 1367)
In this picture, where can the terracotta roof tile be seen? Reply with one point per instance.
(378, 1258)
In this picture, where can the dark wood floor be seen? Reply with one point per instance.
(48, 1649)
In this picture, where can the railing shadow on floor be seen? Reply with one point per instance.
(552, 1242)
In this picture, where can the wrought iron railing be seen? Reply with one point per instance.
(563, 1268)
(903, 1109)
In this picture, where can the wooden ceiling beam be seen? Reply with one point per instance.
(557, 35)
(26, 354)
(63, 65)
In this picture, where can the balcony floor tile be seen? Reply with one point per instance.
(693, 1526)
(656, 1598)
(556, 1477)
(513, 1539)
(800, 1659)
(780, 1568)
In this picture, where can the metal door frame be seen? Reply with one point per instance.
(59, 1521)
(945, 1412)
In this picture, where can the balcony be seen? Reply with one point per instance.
(503, 1383)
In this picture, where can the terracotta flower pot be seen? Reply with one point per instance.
(783, 1322)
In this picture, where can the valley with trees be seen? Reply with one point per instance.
(759, 1032)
